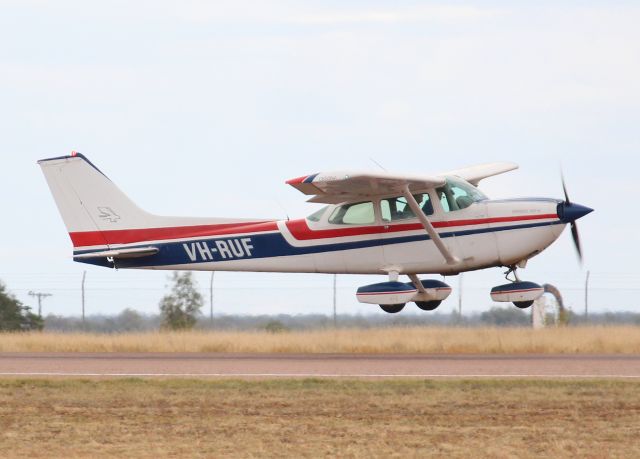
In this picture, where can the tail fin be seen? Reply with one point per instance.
(87, 200)
(98, 215)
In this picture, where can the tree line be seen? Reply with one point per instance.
(180, 309)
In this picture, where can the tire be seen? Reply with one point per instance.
(428, 305)
(392, 308)
(522, 304)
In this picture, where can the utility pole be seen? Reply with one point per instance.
(211, 298)
(84, 275)
(460, 297)
(40, 297)
(586, 297)
(335, 319)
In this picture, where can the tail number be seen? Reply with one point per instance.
(221, 249)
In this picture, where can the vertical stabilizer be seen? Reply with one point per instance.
(98, 215)
(88, 200)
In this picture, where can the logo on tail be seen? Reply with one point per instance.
(108, 215)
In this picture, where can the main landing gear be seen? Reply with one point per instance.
(428, 305)
(428, 294)
(521, 293)
(392, 296)
(392, 308)
(424, 305)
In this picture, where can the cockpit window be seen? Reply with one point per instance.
(397, 208)
(317, 215)
(359, 213)
(458, 195)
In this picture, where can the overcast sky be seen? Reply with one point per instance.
(205, 108)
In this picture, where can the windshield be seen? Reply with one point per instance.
(356, 213)
(317, 215)
(458, 194)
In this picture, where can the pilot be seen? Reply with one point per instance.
(427, 207)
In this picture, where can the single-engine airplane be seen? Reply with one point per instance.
(372, 223)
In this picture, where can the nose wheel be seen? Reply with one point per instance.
(521, 293)
(512, 270)
(523, 304)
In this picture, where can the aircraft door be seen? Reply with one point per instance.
(354, 224)
(406, 243)
(465, 225)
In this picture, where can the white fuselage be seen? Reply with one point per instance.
(485, 234)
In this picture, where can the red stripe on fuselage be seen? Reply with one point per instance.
(300, 229)
(392, 292)
(128, 236)
(506, 292)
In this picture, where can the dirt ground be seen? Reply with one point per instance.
(311, 418)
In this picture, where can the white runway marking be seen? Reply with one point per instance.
(315, 375)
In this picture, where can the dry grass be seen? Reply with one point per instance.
(431, 340)
(312, 418)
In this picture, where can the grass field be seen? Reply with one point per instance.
(431, 340)
(312, 418)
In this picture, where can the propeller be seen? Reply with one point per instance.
(576, 241)
(564, 188)
(571, 213)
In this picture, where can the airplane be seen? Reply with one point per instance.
(371, 223)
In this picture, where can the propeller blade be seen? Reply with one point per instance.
(574, 227)
(564, 188)
(576, 240)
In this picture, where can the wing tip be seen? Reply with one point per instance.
(301, 179)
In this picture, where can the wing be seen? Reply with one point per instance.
(336, 187)
(474, 174)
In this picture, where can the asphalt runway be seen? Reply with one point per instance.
(248, 366)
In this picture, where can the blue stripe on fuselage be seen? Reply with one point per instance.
(269, 245)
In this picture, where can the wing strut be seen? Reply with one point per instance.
(435, 237)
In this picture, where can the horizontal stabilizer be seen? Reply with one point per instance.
(139, 252)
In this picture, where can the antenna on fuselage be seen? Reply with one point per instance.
(377, 164)
(282, 207)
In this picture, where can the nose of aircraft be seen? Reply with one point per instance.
(570, 212)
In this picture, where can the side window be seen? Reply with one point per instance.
(394, 209)
(360, 213)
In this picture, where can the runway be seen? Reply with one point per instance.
(248, 366)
